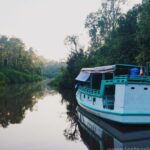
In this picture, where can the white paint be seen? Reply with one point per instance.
(137, 100)
(119, 97)
(128, 101)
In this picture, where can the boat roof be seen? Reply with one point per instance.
(85, 72)
(105, 69)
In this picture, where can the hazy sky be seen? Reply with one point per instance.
(44, 24)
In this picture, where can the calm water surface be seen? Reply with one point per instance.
(36, 117)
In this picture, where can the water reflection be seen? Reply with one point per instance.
(68, 98)
(98, 134)
(37, 118)
(45, 129)
(15, 100)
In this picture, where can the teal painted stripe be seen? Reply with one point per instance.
(112, 112)
(90, 93)
(126, 122)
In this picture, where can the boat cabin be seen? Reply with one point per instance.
(101, 81)
(93, 77)
(121, 91)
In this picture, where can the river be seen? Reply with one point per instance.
(37, 117)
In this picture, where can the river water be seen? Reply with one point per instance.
(36, 117)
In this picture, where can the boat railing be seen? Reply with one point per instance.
(89, 91)
(108, 101)
(131, 79)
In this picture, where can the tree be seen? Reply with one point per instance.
(17, 64)
(72, 42)
(101, 22)
(120, 45)
(122, 42)
(75, 61)
(115, 38)
(144, 34)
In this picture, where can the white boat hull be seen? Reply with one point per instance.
(118, 92)
(125, 115)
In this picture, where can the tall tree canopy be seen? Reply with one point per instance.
(18, 64)
(144, 33)
(101, 22)
(115, 37)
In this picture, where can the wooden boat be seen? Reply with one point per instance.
(120, 93)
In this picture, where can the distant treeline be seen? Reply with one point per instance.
(115, 38)
(21, 65)
(52, 69)
(17, 64)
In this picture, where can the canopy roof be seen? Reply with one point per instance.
(102, 69)
(83, 76)
(105, 69)
(85, 72)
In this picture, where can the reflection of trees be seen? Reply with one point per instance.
(68, 97)
(15, 100)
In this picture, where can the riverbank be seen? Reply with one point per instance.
(11, 76)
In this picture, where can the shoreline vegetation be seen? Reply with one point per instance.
(20, 65)
(11, 76)
(115, 38)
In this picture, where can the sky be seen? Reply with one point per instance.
(44, 24)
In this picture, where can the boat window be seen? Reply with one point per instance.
(108, 76)
(125, 70)
(122, 71)
(132, 88)
(109, 90)
(109, 97)
(94, 99)
(96, 80)
(145, 88)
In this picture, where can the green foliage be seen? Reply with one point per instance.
(114, 38)
(121, 46)
(3, 79)
(51, 69)
(101, 22)
(143, 34)
(10, 76)
(75, 62)
(18, 65)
